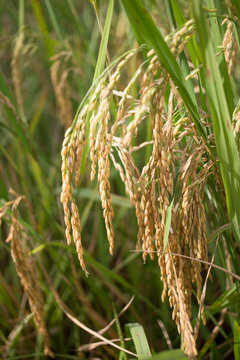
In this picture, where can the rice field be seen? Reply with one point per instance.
(119, 186)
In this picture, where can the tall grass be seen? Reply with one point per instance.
(155, 91)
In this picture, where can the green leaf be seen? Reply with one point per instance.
(56, 26)
(104, 41)
(15, 118)
(228, 298)
(43, 27)
(177, 354)
(236, 335)
(18, 329)
(167, 224)
(225, 142)
(140, 341)
(236, 5)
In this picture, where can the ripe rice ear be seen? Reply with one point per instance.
(27, 273)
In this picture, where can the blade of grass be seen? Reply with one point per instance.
(43, 27)
(236, 5)
(177, 354)
(236, 335)
(21, 14)
(122, 355)
(140, 341)
(14, 116)
(99, 69)
(16, 332)
(55, 22)
(228, 298)
(217, 39)
(104, 41)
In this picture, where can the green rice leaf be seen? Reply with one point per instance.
(177, 354)
(226, 145)
(18, 329)
(167, 224)
(15, 118)
(54, 21)
(236, 335)
(236, 5)
(104, 41)
(140, 341)
(43, 27)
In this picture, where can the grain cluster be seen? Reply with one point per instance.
(26, 269)
(170, 185)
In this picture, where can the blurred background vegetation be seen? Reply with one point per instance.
(48, 54)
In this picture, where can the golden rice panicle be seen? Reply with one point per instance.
(76, 231)
(192, 215)
(100, 147)
(185, 327)
(66, 194)
(123, 105)
(104, 188)
(147, 93)
(179, 294)
(72, 151)
(27, 273)
(178, 40)
(130, 179)
(79, 142)
(146, 206)
(16, 71)
(163, 142)
(179, 298)
(236, 122)
(229, 45)
(59, 77)
(103, 162)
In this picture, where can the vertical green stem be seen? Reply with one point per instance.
(20, 14)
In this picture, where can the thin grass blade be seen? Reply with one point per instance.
(177, 354)
(236, 335)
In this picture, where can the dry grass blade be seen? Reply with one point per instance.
(165, 333)
(235, 276)
(102, 331)
(92, 346)
(214, 333)
(200, 311)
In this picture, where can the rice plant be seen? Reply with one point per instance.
(149, 172)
